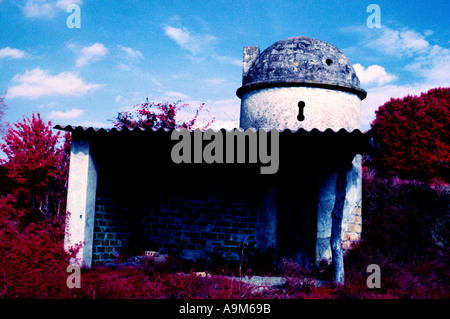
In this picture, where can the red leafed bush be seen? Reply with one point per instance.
(406, 231)
(413, 136)
(37, 164)
(404, 218)
(157, 115)
(132, 283)
(32, 259)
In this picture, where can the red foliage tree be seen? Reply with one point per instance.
(145, 115)
(413, 137)
(37, 163)
(32, 256)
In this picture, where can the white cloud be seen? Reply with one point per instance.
(181, 36)
(12, 53)
(36, 83)
(434, 66)
(46, 8)
(196, 44)
(66, 115)
(228, 108)
(156, 81)
(425, 66)
(398, 43)
(175, 95)
(90, 54)
(123, 67)
(199, 45)
(413, 42)
(373, 74)
(118, 99)
(128, 58)
(63, 4)
(127, 99)
(95, 124)
(132, 53)
(426, 61)
(39, 9)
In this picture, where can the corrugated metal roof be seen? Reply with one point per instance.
(96, 130)
(90, 129)
(353, 140)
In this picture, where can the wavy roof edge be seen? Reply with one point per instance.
(90, 129)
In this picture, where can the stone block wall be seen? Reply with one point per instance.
(351, 230)
(196, 227)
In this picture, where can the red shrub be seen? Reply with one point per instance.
(132, 283)
(37, 164)
(32, 259)
(413, 136)
(157, 115)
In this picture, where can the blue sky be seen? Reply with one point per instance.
(127, 51)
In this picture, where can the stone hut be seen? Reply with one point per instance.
(126, 195)
(304, 83)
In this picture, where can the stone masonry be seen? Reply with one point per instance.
(192, 227)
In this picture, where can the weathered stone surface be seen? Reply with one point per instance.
(251, 53)
(300, 60)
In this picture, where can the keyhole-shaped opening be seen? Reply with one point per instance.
(301, 106)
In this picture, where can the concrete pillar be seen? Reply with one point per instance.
(351, 222)
(81, 196)
(327, 190)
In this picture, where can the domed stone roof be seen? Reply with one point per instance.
(301, 61)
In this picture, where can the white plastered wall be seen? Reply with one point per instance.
(278, 108)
